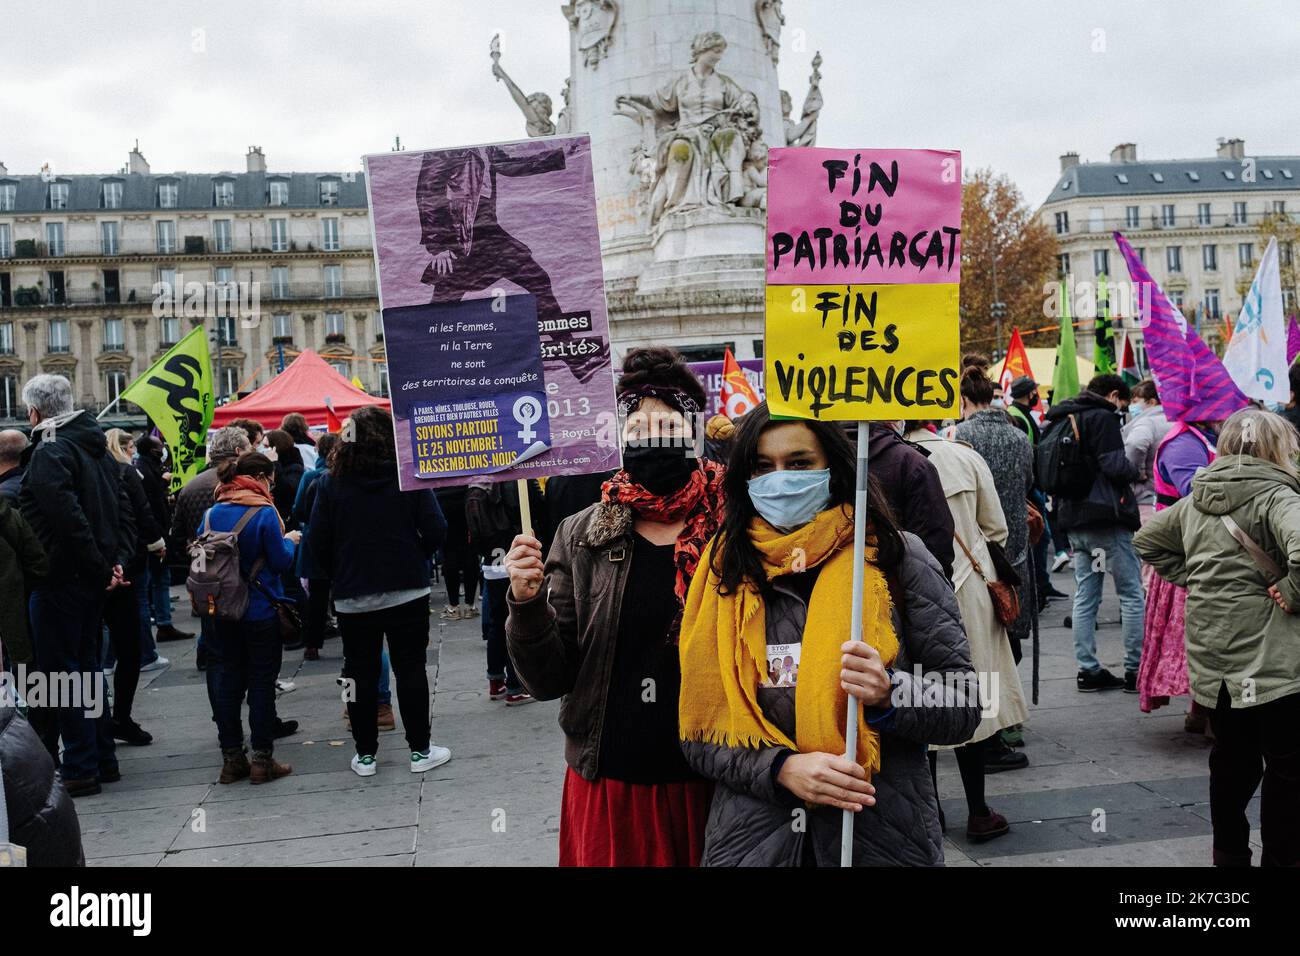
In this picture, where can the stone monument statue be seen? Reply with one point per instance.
(536, 107)
(704, 127)
(770, 21)
(804, 132)
(593, 22)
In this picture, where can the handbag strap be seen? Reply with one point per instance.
(975, 564)
(1261, 558)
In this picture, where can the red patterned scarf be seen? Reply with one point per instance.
(699, 502)
(243, 490)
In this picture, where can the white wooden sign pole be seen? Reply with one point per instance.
(855, 623)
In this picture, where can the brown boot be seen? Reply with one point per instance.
(264, 768)
(235, 766)
(386, 719)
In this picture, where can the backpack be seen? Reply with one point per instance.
(217, 588)
(1060, 465)
(487, 515)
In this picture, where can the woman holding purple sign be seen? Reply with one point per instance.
(597, 626)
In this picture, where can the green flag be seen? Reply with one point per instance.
(176, 393)
(1103, 358)
(1065, 376)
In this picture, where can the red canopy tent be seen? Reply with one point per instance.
(302, 387)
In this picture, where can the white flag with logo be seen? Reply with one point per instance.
(1256, 355)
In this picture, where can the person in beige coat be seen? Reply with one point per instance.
(977, 516)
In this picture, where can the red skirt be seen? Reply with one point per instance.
(613, 823)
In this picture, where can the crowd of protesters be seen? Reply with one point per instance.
(691, 609)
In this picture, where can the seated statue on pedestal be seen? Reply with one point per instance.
(704, 125)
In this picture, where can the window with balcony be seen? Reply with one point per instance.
(1245, 253)
(1167, 219)
(6, 338)
(279, 282)
(223, 193)
(1174, 258)
(330, 235)
(282, 327)
(55, 289)
(114, 384)
(114, 336)
(1062, 264)
(277, 192)
(1279, 207)
(334, 327)
(1203, 214)
(6, 241)
(1212, 303)
(333, 282)
(279, 235)
(108, 232)
(60, 336)
(1210, 258)
(221, 235)
(110, 195)
(166, 235)
(170, 330)
(226, 333)
(1096, 219)
(1238, 213)
(329, 192)
(8, 196)
(231, 383)
(1176, 298)
(1132, 217)
(10, 404)
(54, 238)
(1101, 261)
(56, 196)
(223, 278)
(168, 195)
(1062, 223)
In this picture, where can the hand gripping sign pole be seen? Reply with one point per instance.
(855, 625)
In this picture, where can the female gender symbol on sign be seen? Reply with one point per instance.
(527, 412)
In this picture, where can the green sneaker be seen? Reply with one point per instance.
(1013, 736)
(363, 765)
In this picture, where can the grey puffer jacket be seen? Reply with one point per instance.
(41, 815)
(751, 820)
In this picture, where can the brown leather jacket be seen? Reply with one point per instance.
(562, 640)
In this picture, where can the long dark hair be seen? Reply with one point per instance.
(253, 464)
(735, 559)
(369, 448)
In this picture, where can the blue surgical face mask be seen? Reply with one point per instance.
(790, 499)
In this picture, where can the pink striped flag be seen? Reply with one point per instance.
(1292, 340)
(1194, 386)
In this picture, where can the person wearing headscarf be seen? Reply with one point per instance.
(597, 625)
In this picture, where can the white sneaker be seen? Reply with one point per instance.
(434, 757)
(364, 766)
(161, 663)
(1062, 559)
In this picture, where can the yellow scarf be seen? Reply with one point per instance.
(723, 644)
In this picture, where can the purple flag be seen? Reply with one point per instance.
(1292, 340)
(1194, 386)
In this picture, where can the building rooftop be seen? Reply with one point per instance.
(195, 191)
(1174, 176)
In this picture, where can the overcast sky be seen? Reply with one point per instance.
(316, 83)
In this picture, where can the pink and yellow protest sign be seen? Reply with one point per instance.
(863, 216)
(863, 272)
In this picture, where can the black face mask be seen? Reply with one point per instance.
(659, 469)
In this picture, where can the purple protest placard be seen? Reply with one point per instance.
(863, 216)
(492, 223)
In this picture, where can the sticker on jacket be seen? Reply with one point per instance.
(782, 665)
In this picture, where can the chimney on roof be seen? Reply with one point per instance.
(256, 160)
(136, 163)
(1068, 160)
(1231, 149)
(3, 170)
(1124, 153)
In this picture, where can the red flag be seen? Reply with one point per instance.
(737, 395)
(1015, 365)
(331, 420)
